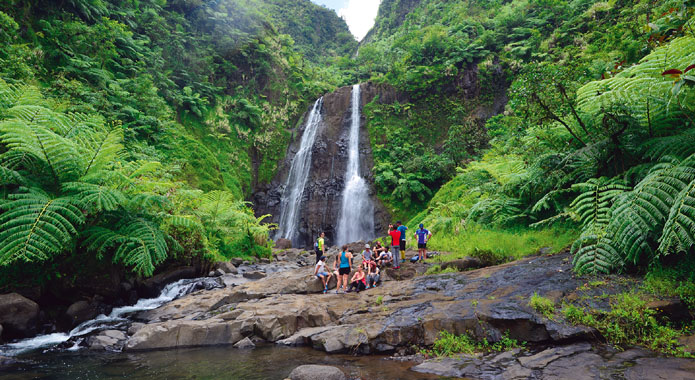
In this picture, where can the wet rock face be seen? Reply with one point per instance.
(317, 372)
(576, 361)
(321, 201)
(18, 315)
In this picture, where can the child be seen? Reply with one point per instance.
(320, 272)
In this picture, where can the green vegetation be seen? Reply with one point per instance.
(676, 280)
(629, 322)
(597, 133)
(448, 344)
(542, 305)
(496, 246)
(131, 131)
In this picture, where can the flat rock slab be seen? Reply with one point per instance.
(317, 372)
(576, 361)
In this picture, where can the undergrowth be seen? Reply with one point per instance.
(630, 322)
(449, 344)
(542, 305)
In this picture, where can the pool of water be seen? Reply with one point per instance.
(263, 362)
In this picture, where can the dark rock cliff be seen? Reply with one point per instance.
(321, 200)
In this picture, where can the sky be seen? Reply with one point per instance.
(359, 14)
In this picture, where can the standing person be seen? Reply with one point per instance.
(402, 229)
(395, 246)
(423, 236)
(320, 246)
(345, 260)
(320, 272)
(358, 282)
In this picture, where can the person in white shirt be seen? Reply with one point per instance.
(320, 272)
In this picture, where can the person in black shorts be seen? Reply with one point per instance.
(344, 263)
(423, 236)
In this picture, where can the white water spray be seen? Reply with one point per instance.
(356, 220)
(296, 180)
(118, 316)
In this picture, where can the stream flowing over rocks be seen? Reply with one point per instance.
(280, 302)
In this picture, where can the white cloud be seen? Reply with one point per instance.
(360, 15)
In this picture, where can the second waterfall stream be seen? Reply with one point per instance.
(356, 221)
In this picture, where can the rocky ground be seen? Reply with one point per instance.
(280, 301)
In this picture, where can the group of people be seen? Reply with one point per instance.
(367, 274)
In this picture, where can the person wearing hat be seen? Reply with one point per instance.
(367, 253)
(320, 272)
(423, 236)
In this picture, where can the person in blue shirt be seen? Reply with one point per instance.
(423, 236)
(402, 229)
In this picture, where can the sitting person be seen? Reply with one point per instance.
(372, 274)
(367, 253)
(378, 248)
(320, 272)
(384, 258)
(358, 281)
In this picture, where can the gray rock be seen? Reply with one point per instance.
(103, 342)
(236, 261)
(81, 311)
(463, 264)
(0, 333)
(245, 343)
(662, 369)
(543, 358)
(153, 285)
(317, 372)
(227, 267)
(254, 275)
(283, 243)
(185, 333)
(115, 334)
(18, 315)
(134, 327)
(265, 260)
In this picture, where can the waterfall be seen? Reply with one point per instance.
(117, 319)
(291, 201)
(356, 220)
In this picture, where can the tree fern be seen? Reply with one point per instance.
(681, 145)
(35, 226)
(136, 243)
(10, 177)
(679, 230)
(13, 94)
(594, 253)
(95, 198)
(593, 205)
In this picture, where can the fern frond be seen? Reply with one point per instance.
(138, 244)
(681, 146)
(146, 201)
(594, 253)
(102, 147)
(679, 230)
(593, 205)
(12, 95)
(10, 177)
(35, 226)
(95, 198)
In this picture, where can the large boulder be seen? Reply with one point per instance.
(317, 372)
(81, 311)
(227, 267)
(185, 333)
(18, 315)
(463, 264)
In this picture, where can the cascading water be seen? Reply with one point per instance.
(117, 319)
(291, 201)
(356, 220)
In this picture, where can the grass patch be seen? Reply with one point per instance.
(448, 344)
(629, 322)
(673, 281)
(497, 246)
(542, 305)
(436, 269)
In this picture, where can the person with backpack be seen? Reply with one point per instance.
(402, 229)
(423, 236)
(320, 247)
(395, 246)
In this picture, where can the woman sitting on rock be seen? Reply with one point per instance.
(320, 272)
(372, 274)
(358, 282)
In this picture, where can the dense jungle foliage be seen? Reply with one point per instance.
(131, 131)
(596, 137)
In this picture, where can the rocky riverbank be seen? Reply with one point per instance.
(279, 301)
